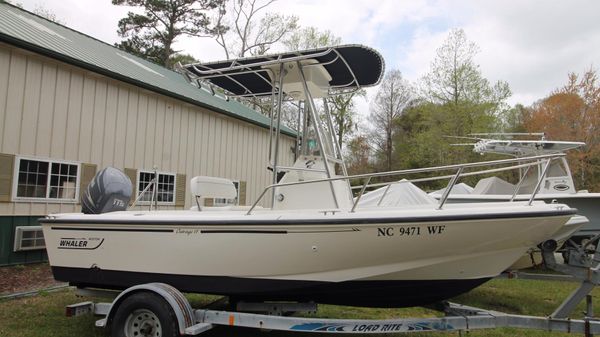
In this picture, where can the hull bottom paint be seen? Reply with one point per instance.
(382, 294)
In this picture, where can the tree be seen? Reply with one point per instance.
(42, 11)
(455, 99)
(573, 113)
(420, 140)
(152, 34)
(310, 38)
(513, 119)
(454, 77)
(183, 59)
(343, 114)
(251, 33)
(358, 157)
(455, 83)
(393, 96)
(48, 14)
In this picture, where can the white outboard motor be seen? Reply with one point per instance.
(109, 191)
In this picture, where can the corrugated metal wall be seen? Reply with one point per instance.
(50, 109)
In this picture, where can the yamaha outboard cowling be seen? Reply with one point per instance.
(109, 191)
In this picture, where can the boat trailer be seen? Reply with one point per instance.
(273, 316)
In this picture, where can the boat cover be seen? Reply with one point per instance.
(350, 66)
(402, 193)
(461, 188)
(493, 185)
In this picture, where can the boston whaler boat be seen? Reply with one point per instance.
(313, 243)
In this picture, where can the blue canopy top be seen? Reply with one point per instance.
(350, 66)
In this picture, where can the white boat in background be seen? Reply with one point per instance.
(315, 242)
(557, 183)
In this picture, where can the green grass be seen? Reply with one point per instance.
(43, 315)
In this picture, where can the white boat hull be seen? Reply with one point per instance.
(585, 203)
(300, 255)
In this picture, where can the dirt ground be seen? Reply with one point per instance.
(15, 279)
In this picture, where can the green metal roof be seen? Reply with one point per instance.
(29, 31)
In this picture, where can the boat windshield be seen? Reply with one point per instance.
(557, 169)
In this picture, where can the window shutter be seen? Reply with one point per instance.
(7, 162)
(88, 171)
(180, 190)
(132, 174)
(242, 193)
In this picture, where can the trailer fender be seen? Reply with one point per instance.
(181, 307)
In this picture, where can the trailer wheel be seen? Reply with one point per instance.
(144, 315)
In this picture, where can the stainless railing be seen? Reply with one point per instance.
(522, 162)
(153, 202)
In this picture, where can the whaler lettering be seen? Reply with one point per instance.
(80, 243)
(73, 243)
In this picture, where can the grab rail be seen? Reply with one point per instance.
(448, 176)
(535, 160)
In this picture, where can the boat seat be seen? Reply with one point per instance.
(211, 187)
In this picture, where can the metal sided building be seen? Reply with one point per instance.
(71, 105)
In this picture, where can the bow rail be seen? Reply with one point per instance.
(530, 161)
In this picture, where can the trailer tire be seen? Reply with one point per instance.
(144, 314)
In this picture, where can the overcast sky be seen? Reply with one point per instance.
(532, 45)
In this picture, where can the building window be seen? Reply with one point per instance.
(165, 193)
(29, 238)
(226, 202)
(46, 180)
